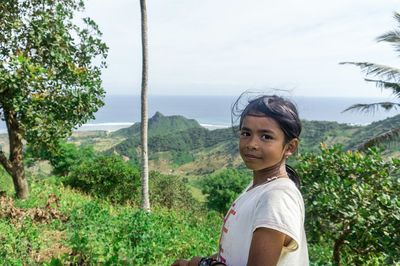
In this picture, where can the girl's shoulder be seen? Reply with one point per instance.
(282, 186)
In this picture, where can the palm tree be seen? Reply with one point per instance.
(384, 77)
(144, 115)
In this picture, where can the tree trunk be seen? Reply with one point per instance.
(338, 245)
(144, 111)
(14, 165)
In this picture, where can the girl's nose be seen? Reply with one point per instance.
(252, 144)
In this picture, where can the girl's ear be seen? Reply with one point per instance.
(291, 147)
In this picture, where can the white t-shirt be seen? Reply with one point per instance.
(276, 205)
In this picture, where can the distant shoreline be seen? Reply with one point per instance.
(114, 126)
(215, 112)
(111, 127)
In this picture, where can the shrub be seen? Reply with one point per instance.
(63, 157)
(170, 191)
(223, 187)
(352, 201)
(108, 177)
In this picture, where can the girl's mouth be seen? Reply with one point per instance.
(251, 157)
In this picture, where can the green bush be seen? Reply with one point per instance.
(63, 157)
(170, 191)
(223, 187)
(108, 177)
(352, 202)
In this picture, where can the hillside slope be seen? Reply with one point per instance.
(159, 125)
(180, 144)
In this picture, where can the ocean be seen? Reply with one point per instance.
(215, 111)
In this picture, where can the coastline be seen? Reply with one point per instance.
(114, 126)
(111, 127)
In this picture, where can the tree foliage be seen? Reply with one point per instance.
(352, 201)
(107, 177)
(48, 72)
(110, 177)
(62, 158)
(385, 77)
(170, 191)
(223, 187)
(49, 75)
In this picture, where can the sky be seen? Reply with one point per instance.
(224, 47)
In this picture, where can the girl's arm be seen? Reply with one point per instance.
(266, 246)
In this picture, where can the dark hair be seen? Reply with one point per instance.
(283, 111)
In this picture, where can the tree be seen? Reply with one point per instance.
(144, 112)
(106, 176)
(49, 76)
(386, 77)
(223, 187)
(63, 158)
(352, 204)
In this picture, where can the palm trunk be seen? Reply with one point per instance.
(144, 111)
(15, 165)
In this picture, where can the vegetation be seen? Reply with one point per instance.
(385, 77)
(85, 212)
(378, 128)
(62, 158)
(99, 222)
(110, 177)
(222, 188)
(183, 139)
(352, 202)
(171, 192)
(107, 177)
(49, 79)
(160, 125)
(89, 231)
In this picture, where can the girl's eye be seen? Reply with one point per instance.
(266, 137)
(244, 133)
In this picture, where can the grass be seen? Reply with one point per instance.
(97, 232)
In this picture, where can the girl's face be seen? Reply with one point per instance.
(262, 142)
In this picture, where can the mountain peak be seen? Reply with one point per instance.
(157, 115)
(161, 125)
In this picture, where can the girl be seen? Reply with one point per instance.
(265, 224)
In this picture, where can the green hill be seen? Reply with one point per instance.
(160, 125)
(183, 143)
(373, 129)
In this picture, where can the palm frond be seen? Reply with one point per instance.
(392, 37)
(394, 86)
(385, 72)
(372, 107)
(397, 17)
(386, 137)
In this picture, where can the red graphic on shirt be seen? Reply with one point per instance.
(225, 231)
